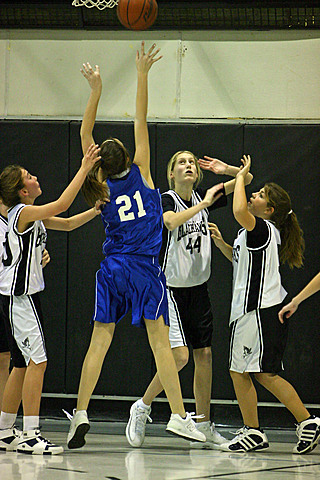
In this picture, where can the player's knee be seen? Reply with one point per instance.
(203, 356)
(264, 378)
(181, 359)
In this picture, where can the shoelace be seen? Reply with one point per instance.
(141, 419)
(193, 415)
(68, 415)
(238, 433)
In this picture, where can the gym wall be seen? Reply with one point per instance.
(286, 154)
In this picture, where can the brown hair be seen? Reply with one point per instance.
(114, 160)
(292, 242)
(172, 163)
(11, 183)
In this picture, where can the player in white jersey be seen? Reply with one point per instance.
(21, 282)
(270, 235)
(186, 262)
(4, 347)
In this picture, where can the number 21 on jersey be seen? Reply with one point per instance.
(125, 211)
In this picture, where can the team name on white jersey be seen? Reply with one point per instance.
(22, 256)
(187, 259)
(256, 276)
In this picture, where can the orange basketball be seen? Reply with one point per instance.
(137, 14)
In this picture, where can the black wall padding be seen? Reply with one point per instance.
(286, 154)
(42, 147)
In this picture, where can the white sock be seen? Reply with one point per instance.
(7, 420)
(141, 404)
(81, 411)
(30, 422)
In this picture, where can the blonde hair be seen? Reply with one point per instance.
(292, 241)
(172, 163)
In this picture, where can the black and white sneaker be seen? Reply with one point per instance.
(9, 439)
(308, 433)
(33, 443)
(246, 440)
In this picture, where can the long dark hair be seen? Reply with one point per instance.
(292, 242)
(114, 160)
(11, 183)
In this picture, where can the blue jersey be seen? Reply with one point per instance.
(133, 217)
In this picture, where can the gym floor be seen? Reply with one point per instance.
(107, 455)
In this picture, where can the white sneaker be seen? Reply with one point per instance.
(185, 427)
(9, 439)
(213, 438)
(33, 443)
(247, 440)
(79, 427)
(308, 433)
(135, 430)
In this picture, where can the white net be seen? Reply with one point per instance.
(101, 4)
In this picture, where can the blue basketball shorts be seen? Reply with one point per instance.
(127, 282)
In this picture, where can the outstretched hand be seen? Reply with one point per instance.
(287, 311)
(215, 234)
(213, 164)
(245, 168)
(144, 61)
(99, 205)
(91, 157)
(93, 76)
(213, 194)
(45, 258)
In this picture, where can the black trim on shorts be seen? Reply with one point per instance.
(196, 314)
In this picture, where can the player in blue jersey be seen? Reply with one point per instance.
(130, 276)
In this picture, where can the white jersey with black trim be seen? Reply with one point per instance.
(256, 276)
(187, 254)
(22, 256)
(3, 233)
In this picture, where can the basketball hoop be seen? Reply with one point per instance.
(101, 4)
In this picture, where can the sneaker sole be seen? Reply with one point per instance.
(44, 452)
(78, 440)
(263, 446)
(129, 439)
(8, 449)
(186, 437)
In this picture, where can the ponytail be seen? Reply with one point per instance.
(92, 189)
(114, 160)
(292, 242)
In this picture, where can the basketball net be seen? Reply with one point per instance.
(101, 4)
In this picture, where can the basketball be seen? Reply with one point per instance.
(137, 14)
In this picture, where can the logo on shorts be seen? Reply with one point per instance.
(26, 343)
(246, 351)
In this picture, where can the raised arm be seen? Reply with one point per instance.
(89, 117)
(173, 220)
(32, 213)
(71, 223)
(289, 309)
(144, 62)
(240, 203)
(221, 168)
(216, 236)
